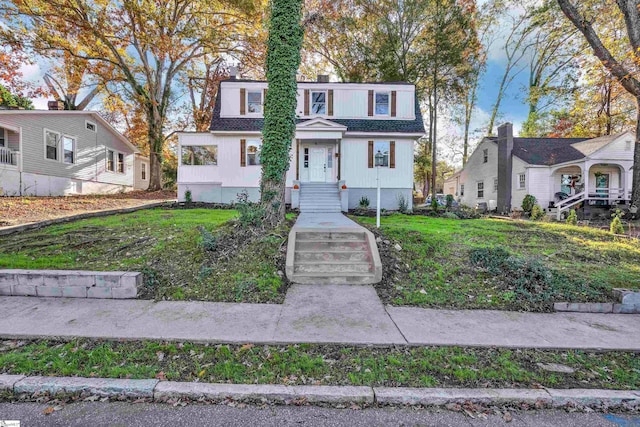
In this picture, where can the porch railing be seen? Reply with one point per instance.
(8, 157)
(609, 193)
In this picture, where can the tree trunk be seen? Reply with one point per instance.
(434, 160)
(635, 192)
(156, 140)
(275, 207)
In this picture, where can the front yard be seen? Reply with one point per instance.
(185, 254)
(434, 267)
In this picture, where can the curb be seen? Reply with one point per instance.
(164, 391)
(5, 231)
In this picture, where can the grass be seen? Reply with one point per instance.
(436, 272)
(166, 245)
(320, 365)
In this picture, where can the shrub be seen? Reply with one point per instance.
(572, 219)
(251, 214)
(465, 212)
(403, 204)
(434, 203)
(616, 226)
(449, 200)
(209, 241)
(537, 213)
(450, 215)
(364, 202)
(528, 203)
(530, 283)
(187, 196)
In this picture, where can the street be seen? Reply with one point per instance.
(97, 414)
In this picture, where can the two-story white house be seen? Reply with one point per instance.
(340, 128)
(56, 153)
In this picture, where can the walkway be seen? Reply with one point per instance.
(328, 314)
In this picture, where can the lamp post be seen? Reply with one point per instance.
(379, 161)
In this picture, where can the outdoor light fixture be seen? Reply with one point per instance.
(379, 162)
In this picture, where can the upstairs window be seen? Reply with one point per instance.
(382, 104)
(480, 190)
(111, 160)
(485, 155)
(91, 126)
(200, 155)
(253, 153)
(68, 149)
(120, 162)
(254, 101)
(52, 145)
(318, 103)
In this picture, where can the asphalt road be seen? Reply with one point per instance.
(97, 414)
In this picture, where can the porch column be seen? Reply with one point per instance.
(339, 157)
(585, 178)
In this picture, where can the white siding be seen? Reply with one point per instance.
(517, 193)
(620, 149)
(477, 171)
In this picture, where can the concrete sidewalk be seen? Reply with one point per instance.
(338, 314)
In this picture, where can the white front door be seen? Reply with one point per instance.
(317, 167)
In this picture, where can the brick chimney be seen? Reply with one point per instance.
(323, 78)
(55, 105)
(505, 167)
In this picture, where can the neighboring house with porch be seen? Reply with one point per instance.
(55, 153)
(562, 173)
(340, 128)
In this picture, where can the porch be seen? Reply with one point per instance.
(9, 146)
(590, 184)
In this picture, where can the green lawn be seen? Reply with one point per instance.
(435, 270)
(320, 365)
(166, 245)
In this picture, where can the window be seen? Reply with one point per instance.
(462, 189)
(318, 103)
(52, 145)
(144, 171)
(522, 181)
(627, 146)
(3, 138)
(495, 185)
(382, 104)
(306, 157)
(120, 163)
(68, 149)
(111, 160)
(200, 155)
(91, 126)
(382, 147)
(480, 190)
(253, 153)
(254, 100)
(329, 157)
(485, 155)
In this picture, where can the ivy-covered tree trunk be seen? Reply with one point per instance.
(283, 59)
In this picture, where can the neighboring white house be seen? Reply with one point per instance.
(339, 128)
(560, 172)
(54, 153)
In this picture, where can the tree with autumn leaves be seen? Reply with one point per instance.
(144, 45)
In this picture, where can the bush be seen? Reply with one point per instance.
(251, 214)
(403, 204)
(537, 213)
(572, 219)
(616, 226)
(364, 202)
(187, 196)
(434, 203)
(528, 203)
(450, 215)
(465, 212)
(530, 282)
(449, 201)
(209, 241)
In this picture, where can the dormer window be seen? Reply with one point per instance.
(382, 104)
(319, 103)
(254, 101)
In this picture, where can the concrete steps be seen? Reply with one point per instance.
(332, 257)
(319, 198)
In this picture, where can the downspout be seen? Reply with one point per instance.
(20, 162)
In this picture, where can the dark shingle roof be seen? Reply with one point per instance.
(238, 124)
(546, 151)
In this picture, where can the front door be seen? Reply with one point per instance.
(317, 166)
